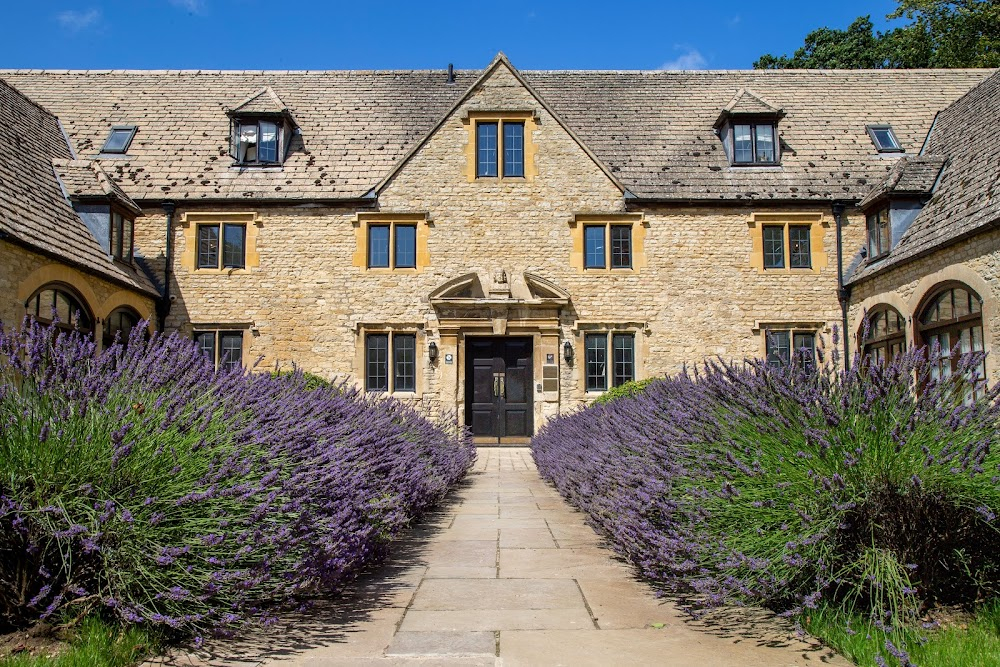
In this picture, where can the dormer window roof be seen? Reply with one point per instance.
(260, 129)
(119, 139)
(884, 138)
(748, 127)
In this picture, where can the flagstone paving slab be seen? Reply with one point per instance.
(507, 574)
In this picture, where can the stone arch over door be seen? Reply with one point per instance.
(500, 304)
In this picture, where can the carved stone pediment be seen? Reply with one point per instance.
(502, 288)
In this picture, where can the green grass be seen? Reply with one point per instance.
(973, 644)
(95, 644)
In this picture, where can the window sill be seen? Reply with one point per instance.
(755, 167)
(238, 166)
(790, 272)
(221, 272)
(383, 270)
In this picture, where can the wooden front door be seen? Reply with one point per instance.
(498, 381)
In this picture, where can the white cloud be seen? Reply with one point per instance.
(76, 21)
(690, 59)
(193, 6)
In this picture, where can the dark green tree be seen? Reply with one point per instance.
(940, 33)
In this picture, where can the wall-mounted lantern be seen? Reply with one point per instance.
(568, 352)
(432, 351)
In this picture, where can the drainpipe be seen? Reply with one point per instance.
(163, 307)
(843, 291)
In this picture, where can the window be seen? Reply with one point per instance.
(884, 138)
(57, 304)
(122, 237)
(953, 317)
(224, 348)
(754, 143)
(233, 255)
(622, 367)
(119, 324)
(796, 238)
(879, 234)
(783, 346)
(489, 149)
(883, 335)
(119, 139)
(256, 141)
(595, 239)
(392, 245)
(402, 361)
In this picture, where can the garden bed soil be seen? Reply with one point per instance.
(40, 640)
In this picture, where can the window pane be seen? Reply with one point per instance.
(798, 247)
(118, 141)
(776, 347)
(404, 361)
(486, 149)
(406, 246)
(593, 238)
(873, 237)
(231, 350)
(805, 348)
(206, 343)
(621, 246)
(884, 232)
(742, 144)
(378, 246)
(233, 246)
(624, 351)
(116, 234)
(377, 362)
(119, 323)
(268, 150)
(596, 348)
(208, 247)
(884, 139)
(128, 241)
(774, 247)
(765, 143)
(513, 149)
(248, 143)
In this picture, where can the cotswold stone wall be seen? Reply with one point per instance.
(23, 272)
(975, 262)
(699, 294)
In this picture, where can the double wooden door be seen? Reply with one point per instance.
(498, 393)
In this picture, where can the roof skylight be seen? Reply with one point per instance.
(119, 139)
(884, 139)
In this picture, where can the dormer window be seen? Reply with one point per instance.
(753, 143)
(119, 139)
(884, 138)
(879, 234)
(256, 141)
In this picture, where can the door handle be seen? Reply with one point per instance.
(503, 385)
(496, 384)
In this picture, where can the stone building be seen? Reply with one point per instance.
(502, 244)
(928, 272)
(65, 231)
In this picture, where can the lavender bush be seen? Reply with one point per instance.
(875, 490)
(142, 483)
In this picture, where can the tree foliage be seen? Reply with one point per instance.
(940, 33)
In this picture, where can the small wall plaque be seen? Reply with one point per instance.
(448, 359)
(550, 358)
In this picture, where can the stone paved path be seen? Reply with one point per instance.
(508, 574)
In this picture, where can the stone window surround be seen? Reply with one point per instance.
(190, 221)
(761, 327)
(578, 247)
(639, 331)
(530, 119)
(363, 220)
(818, 224)
(420, 356)
(247, 329)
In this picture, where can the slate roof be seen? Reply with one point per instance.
(652, 130)
(33, 207)
(911, 176)
(85, 179)
(966, 199)
(265, 101)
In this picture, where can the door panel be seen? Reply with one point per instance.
(498, 387)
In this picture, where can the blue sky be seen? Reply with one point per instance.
(329, 34)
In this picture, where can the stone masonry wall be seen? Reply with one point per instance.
(975, 262)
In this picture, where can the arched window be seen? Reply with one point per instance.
(68, 309)
(884, 334)
(121, 322)
(952, 316)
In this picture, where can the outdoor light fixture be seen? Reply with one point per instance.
(568, 352)
(432, 351)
